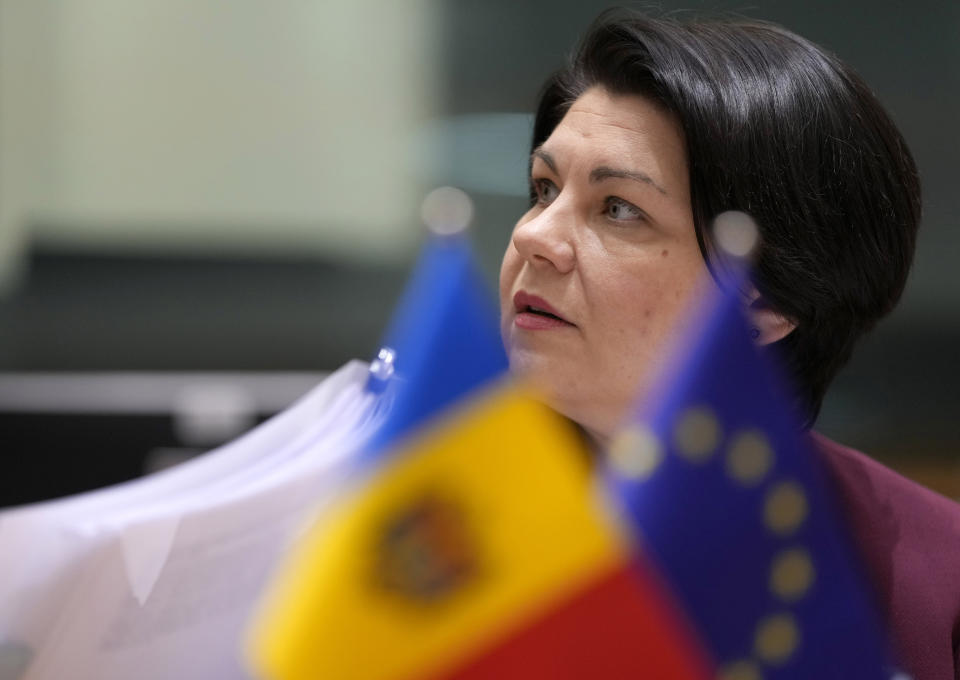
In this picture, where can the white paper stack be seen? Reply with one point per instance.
(156, 578)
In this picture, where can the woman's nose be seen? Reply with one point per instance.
(546, 239)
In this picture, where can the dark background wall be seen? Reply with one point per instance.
(88, 310)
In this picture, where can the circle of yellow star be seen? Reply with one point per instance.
(785, 508)
(636, 452)
(696, 434)
(777, 638)
(749, 457)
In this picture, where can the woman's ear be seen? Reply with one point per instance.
(766, 325)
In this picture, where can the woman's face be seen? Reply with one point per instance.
(608, 251)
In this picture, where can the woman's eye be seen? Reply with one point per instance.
(619, 209)
(544, 191)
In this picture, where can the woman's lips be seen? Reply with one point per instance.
(533, 313)
(537, 322)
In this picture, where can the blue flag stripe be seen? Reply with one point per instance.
(445, 333)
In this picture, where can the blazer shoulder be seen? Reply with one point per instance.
(890, 496)
(909, 539)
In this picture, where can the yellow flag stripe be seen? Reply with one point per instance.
(516, 525)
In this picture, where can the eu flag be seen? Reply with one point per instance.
(728, 501)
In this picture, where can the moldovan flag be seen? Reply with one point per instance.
(481, 546)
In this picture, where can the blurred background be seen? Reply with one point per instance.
(205, 206)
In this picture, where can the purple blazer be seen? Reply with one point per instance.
(909, 539)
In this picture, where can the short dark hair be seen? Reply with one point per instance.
(779, 128)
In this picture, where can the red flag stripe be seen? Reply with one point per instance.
(622, 626)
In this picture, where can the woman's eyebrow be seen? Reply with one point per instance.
(546, 158)
(600, 173)
(603, 172)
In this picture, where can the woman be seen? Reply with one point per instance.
(654, 128)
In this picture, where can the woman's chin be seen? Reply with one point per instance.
(593, 421)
